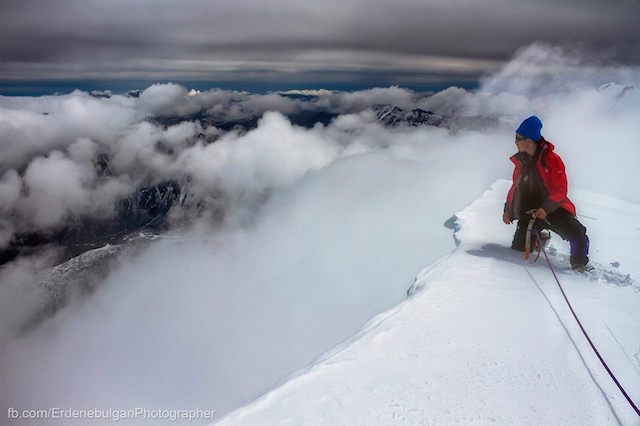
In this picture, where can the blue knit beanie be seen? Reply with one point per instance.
(530, 128)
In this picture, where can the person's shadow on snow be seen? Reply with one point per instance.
(506, 254)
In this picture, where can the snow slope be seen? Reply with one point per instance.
(487, 338)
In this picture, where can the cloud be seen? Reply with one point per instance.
(35, 126)
(541, 70)
(55, 186)
(10, 188)
(159, 98)
(359, 100)
(57, 148)
(308, 92)
(22, 293)
(284, 39)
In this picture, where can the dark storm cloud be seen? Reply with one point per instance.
(205, 39)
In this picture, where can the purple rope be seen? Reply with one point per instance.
(634, 406)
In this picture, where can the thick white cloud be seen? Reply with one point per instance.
(55, 187)
(9, 190)
(246, 168)
(83, 151)
(359, 100)
(10, 187)
(35, 126)
(161, 99)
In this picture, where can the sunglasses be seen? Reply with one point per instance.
(520, 138)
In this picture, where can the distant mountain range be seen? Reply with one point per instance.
(393, 116)
(144, 210)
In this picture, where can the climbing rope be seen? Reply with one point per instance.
(541, 248)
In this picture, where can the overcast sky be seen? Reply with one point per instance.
(341, 40)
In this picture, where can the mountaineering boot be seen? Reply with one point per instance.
(545, 236)
(583, 268)
(579, 258)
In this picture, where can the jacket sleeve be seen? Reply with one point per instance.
(509, 203)
(558, 185)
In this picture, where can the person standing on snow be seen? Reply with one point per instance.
(540, 186)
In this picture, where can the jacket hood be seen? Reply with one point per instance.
(545, 146)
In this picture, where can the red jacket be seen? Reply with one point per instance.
(551, 170)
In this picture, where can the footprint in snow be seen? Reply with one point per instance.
(599, 273)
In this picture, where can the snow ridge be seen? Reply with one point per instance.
(484, 338)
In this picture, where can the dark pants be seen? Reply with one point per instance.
(562, 223)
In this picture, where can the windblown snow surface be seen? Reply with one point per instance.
(486, 337)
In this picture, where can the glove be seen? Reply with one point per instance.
(540, 214)
(506, 218)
